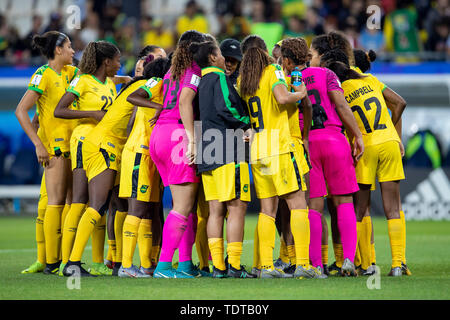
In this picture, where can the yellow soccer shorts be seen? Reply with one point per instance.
(305, 165)
(139, 178)
(96, 160)
(228, 182)
(76, 153)
(382, 161)
(278, 175)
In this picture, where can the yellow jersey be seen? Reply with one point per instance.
(365, 98)
(269, 120)
(92, 95)
(293, 116)
(51, 86)
(139, 138)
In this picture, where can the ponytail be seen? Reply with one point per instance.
(255, 60)
(94, 54)
(48, 42)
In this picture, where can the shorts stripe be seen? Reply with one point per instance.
(105, 156)
(297, 172)
(135, 175)
(79, 155)
(237, 181)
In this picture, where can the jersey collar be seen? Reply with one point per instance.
(207, 70)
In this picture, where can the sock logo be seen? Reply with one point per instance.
(129, 234)
(93, 222)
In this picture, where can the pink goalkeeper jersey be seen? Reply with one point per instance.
(320, 81)
(172, 90)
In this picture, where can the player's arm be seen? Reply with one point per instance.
(283, 96)
(131, 121)
(349, 121)
(63, 111)
(140, 98)
(307, 120)
(35, 122)
(26, 103)
(187, 95)
(395, 103)
(121, 79)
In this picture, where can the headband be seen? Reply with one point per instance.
(61, 38)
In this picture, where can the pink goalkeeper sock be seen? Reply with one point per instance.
(315, 243)
(346, 220)
(173, 230)
(188, 239)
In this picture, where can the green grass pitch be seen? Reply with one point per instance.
(428, 244)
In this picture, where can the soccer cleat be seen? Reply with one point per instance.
(170, 274)
(100, 269)
(290, 270)
(205, 272)
(280, 264)
(308, 273)
(255, 271)
(220, 274)
(116, 267)
(188, 268)
(405, 270)
(241, 273)
(109, 264)
(348, 268)
(61, 268)
(395, 272)
(334, 270)
(323, 275)
(369, 272)
(148, 271)
(52, 268)
(268, 273)
(74, 268)
(132, 272)
(34, 268)
(325, 270)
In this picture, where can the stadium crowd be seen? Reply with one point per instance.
(409, 29)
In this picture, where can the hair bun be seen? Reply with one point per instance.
(39, 42)
(372, 55)
(193, 47)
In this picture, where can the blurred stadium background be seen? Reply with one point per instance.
(411, 39)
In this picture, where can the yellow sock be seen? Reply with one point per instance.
(357, 255)
(266, 235)
(216, 249)
(154, 255)
(234, 252)
(301, 232)
(145, 239)
(291, 253)
(201, 238)
(395, 237)
(86, 226)
(338, 254)
(130, 231)
(64, 215)
(325, 254)
(40, 238)
(402, 218)
(373, 255)
(284, 255)
(70, 229)
(256, 256)
(112, 250)
(98, 241)
(364, 242)
(52, 232)
(118, 229)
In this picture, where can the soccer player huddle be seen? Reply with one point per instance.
(307, 122)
